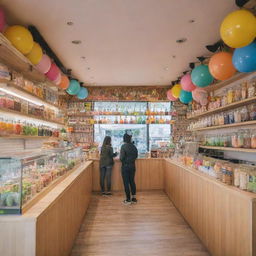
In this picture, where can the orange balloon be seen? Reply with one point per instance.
(221, 66)
(64, 82)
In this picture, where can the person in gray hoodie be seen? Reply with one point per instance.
(128, 155)
(106, 165)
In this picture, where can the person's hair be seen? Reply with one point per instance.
(106, 141)
(127, 138)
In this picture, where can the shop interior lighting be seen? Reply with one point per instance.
(20, 96)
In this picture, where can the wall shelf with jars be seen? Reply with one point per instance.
(246, 150)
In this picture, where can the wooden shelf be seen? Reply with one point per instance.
(226, 126)
(222, 84)
(9, 111)
(230, 106)
(85, 115)
(15, 60)
(12, 84)
(246, 150)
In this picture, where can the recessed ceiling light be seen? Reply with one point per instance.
(181, 40)
(76, 42)
(173, 56)
(70, 23)
(83, 57)
(88, 68)
(191, 21)
(166, 68)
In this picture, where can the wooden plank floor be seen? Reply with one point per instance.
(152, 227)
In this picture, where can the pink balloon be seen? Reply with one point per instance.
(170, 96)
(2, 20)
(198, 94)
(186, 83)
(58, 79)
(44, 65)
(203, 101)
(53, 73)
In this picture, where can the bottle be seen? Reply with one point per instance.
(121, 120)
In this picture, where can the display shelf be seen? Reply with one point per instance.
(15, 60)
(246, 150)
(227, 82)
(228, 107)
(90, 115)
(12, 85)
(13, 112)
(225, 126)
(28, 137)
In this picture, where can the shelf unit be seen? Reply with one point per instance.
(9, 111)
(28, 137)
(11, 57)
(226, 126)
(230, 106)
(12, 85)
(246, 150)
(85, 115)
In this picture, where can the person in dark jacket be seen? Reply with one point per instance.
(128, 155)
(106, 165)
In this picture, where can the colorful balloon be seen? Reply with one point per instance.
(238, 29)
(198, 94)
(44, 65)
(203, 101)
(201, 76)
(170, 96)
(186, 83)
(35, 54)
(73, 87)
(185, 97)
(20, 37)
(82, 94)
(58, 79)
(2, 20)
(53, 72)
(244, 59)
(176, 89)
(64, 83)
(221, 66)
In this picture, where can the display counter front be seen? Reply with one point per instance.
(149, 174)
(223, 216)
(50, 226)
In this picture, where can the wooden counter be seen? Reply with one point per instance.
(51, 225)
(222, 216)
(149, 175)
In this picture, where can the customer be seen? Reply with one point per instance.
(128, 155)
(106, 165)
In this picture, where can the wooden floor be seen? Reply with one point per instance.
(152, 227)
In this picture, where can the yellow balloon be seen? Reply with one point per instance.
(20, 37)
(35, 54)
(238, 29)
(176, 89)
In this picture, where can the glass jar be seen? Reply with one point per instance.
(244, 114)
(221, 119)
(251, 89)
(252, 111)
(243, 179)
(234, 140)
(237, 116)
(230, 96)
(224, 100)
(226, 118)
(237, 176)
(244, 90)
(253, 139)
(247, 139)
(231, 118)
(238, 94)
(240, 139)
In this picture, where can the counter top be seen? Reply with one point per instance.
(249, 195)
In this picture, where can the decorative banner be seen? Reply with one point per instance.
(126, 94)
(20, 37)
(238, 29)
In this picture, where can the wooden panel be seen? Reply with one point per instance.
(57, 226)
(149, 175)
(220, 215)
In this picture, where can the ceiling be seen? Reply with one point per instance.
(124, 42)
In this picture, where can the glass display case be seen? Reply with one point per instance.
(25, 175)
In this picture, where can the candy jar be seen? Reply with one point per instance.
(244, 90)
(253, 139)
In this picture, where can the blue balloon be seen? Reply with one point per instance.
(185, 97)
(201, 76)
(82, 94)
(244, 59)
(73, 87)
